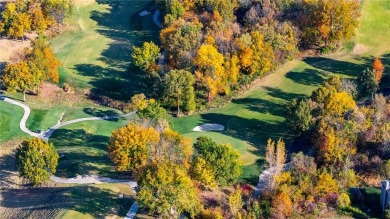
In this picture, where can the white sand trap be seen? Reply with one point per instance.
(209, 127)
(144, 13)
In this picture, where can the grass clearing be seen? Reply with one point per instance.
(84, 146)
(96, 49)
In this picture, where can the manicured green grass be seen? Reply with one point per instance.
(96, 51)
(84, 146)
(373, 32)
(10, 116)
(258, 114)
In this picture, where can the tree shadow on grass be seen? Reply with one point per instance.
(309, 77)
(101, 113)
(118, 79)
(251, 172)
(262, 106)
(42, 202)
(339, 67)
(82, 153)
(278, 93)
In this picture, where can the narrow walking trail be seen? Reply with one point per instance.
(94, 179)
(46, 134)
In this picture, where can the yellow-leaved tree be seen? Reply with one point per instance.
(128, 146)
(211, 72)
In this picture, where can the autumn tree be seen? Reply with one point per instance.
(18, 77)
(367, 82)
(181, 39)
(36, 160)
(282, 205)
(339, 103)
(39, 64)
(166, 189)
(172, 147)
(128, 146)
(326, 184)
(145, 57)
(178, 88)
(202, 172)
(235, 202)
(15, 21)
(211, 72)
(298, 116)
(276, 158)
(139, 102)
(154, 114)
(43, 60)
(221, 158)
(39, 21)
(329, 21)
(56, 11)
(174, 10)
(378, 68)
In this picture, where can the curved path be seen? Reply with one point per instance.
(77, 180)
(46, 134)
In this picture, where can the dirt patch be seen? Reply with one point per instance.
(8, 173)
(53, 94)
(32, 203)
(360, 49)
(9, 47)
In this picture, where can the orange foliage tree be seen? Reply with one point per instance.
(378, 69)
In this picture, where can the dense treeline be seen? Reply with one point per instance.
(349, 144)
(22, 16)
(170, 170)
(227, 44)
(34, 66)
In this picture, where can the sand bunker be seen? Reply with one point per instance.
(209, 127)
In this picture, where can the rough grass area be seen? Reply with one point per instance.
(95, 201)
(258, 114)
(84, 146)
(96, 49)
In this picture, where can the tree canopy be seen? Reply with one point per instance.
(36, 160)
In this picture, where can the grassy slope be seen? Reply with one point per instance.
(96, 50)
(258, 113)
(9, 122)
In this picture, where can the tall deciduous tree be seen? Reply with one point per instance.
(221, 158)
(276, 158)
(378, 69)
(178, 85)
(299, 117)
(18, 77)
(203, 173)
(37, 160)
(166, 189)
(145, 57)
(211, 71)
(329, 21)
(368, 82)
(128, 146)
